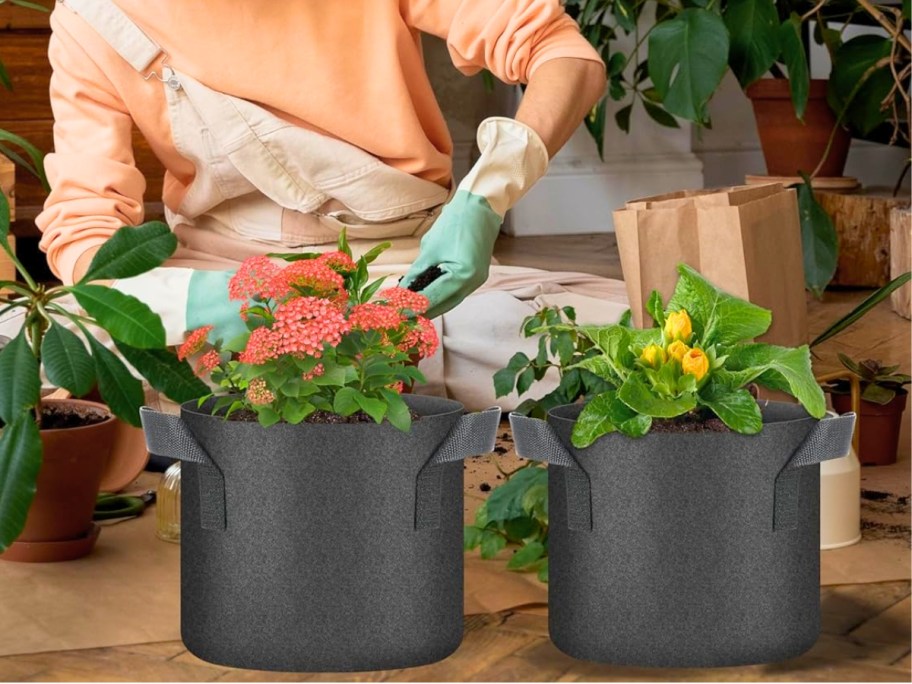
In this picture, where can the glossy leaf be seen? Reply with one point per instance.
(862, 309)
(20, 461)
(126, 318)
(795, 58)
(164, 372)
(66, 360)
(659, 115)
(819, 243)
(20, 382)
(122, 392)
(856, 87)
(753, 27)
(132, 251)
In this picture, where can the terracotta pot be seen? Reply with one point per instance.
(790, 146)
(879, 425)
(59, 524)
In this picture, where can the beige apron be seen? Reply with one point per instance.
(265, 185)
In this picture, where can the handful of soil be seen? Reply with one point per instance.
(690, 422)
(425, 278)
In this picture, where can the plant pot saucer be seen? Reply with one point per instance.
(832, 184)
(52, 551)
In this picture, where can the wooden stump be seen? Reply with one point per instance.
(901, 258)
(862, 222)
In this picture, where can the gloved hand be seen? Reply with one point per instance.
(461, 241)
(187, 299)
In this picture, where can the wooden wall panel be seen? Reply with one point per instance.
(25, 58)
(12, 17)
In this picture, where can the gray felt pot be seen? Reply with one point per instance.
(685, 550)
(321, 547)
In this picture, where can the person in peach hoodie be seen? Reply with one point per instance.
(281, 123)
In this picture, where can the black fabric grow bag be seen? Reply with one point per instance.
(682, 549)
(322, 547)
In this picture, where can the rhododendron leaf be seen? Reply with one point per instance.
(397, 411)
(295, 412)
(736, 408)
(175, 379)
(132, 251)
(126, 318)
(122, 392)
(267, 416)
(637, 394)
(717, 317)
(594, 421)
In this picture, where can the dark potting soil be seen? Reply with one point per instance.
(425, 278)
(324, 417)
(689, 422)
(62, 417)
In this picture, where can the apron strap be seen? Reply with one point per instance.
(118, 30)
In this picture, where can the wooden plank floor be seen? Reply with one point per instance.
(865, 627)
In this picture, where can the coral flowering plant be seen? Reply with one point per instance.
(322, 343)
(694, 364)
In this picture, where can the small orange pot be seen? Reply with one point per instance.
(790, 146)
(59, 525)
(878, 426)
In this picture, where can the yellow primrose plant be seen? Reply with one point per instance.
(697, 361)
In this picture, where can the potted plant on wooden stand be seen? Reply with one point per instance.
(52, 451)
(677, 494)
(318, 500)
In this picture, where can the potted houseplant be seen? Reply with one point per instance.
(53, 452)
(677, 494)
(319, 501)
(883, 400)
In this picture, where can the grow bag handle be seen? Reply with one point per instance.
(830, 438)
(167, 435)
(473, 434)
(535, 439)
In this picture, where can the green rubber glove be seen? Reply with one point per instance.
(208, 304)
(461, 241)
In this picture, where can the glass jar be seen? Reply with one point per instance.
(167, 508)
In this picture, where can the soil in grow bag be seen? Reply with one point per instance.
(330, 547)
(685, 550)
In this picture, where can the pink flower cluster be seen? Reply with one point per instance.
(258, 394)
(260, 277)
(421, 339)
(194, 343)
(401, 298)
(302, 326)
(373, 316)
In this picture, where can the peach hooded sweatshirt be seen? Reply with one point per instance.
(351, 69)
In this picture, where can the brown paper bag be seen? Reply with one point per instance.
(745, 240)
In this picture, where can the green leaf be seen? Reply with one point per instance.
(856, 87)
(505, 378)
(659, 115)
(66, 361)
(345, 403)
(818, 240)
(525, 380)
(636, 393)
(877, 394)
(518, 529)
(753, 26)
(4, 221)
(543, 571)
(20, 382)
(595, 124)
(716, 315)
(371, 255)
(122, 392)
(132, 252)
(20, 461)
(5, 78)
(616, 63)
(795, 58)
(526, 556)
(688, 56)
(787, 369)
(267, 416)
(506, 501)
(862, 309)
(375, 408)
(471, 537)
(736, 408)
(295, 412)
(656, 308)
(36, 168)
(173, 378)
(491, 544)
(594, 421)
(636, 427)
(124, 317)
(622, 118)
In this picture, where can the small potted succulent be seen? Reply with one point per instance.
(883, 400)
(53, 451)
(319, 500)
(677, 494)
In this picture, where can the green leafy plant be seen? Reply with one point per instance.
(320, 338)
(62, 341)
(879, 384)
(697, 360)
(516, 512)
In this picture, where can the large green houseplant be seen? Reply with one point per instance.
(62, 340)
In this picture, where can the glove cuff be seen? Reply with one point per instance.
(513, 158)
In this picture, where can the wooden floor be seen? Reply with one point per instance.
(866, 627)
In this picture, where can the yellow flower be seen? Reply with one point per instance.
(678, 326)
(695, 363)
(653, 355)
(677, 350)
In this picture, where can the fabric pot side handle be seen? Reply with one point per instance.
(473, 434)
(536, 440)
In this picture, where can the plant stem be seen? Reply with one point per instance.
(882, 20)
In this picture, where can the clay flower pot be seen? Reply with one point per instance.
(59, 525)
(879, 426)
(683, 549)
(317, 547)
(789, 145)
